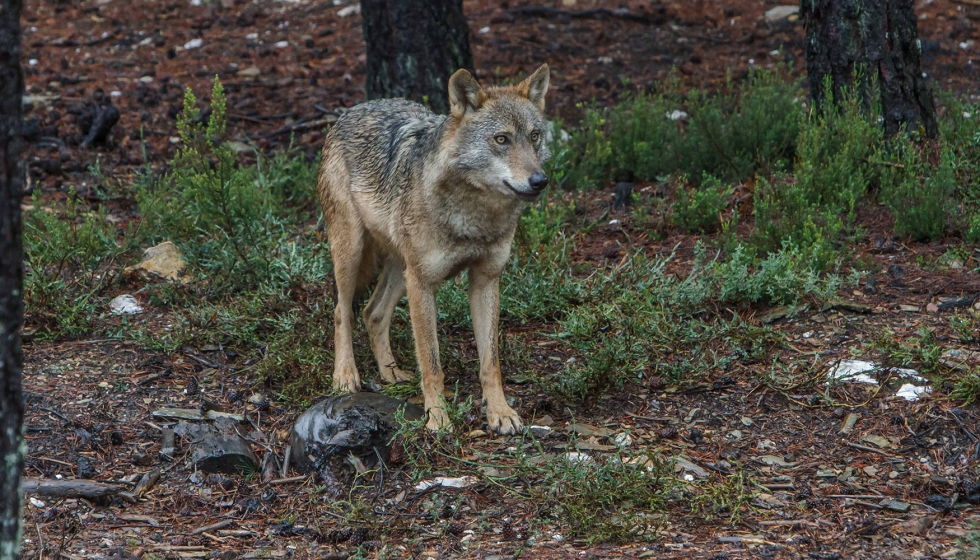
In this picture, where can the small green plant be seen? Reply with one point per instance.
(72, 256)
(698, 209)
(612, 501)
(917, 192)
(966, 388)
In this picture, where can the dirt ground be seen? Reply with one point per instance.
(286, 66)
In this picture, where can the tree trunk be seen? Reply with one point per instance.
(877, 39)
(413, 47)
(11, 281)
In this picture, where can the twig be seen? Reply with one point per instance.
(288, 480)
(213, 526)
(869, 449)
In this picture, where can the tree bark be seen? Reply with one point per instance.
(413, 47)
(11, 281)
(873, 39)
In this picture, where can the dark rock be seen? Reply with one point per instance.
(871, 286)
(103, 119)
(229, 454)
(696, 436)
(32, 129)
(942, 503)
(85, 468)
(361, 424)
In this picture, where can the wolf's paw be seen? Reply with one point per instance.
(346, 381)
(395, 375)
(504, 421)
(438, 419)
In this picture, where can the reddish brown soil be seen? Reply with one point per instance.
(107, 387)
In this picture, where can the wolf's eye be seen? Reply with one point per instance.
(534, 136)
(500, 139)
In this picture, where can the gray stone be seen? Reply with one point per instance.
(229, 454)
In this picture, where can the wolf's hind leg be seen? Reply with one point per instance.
(377, 319)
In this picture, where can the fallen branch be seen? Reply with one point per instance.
(71, 488)
(596, 13)
(213, 526)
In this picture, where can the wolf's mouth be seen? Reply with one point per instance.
(526, 197)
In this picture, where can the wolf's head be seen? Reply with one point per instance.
(499, 140)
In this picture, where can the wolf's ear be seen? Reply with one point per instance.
(536, 86)
(465, 94)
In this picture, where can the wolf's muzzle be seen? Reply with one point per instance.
(537, 181)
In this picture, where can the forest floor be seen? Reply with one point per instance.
(808, 486)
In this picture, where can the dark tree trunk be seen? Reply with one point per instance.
(11, 280)
(413, 47)
(876, 38)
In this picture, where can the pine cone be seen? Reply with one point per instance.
(657, 384)
(371, 545)
(83, 422)
(397, 456)
(339, 535)
(192, 387)
(358, 537)
(456, 528)
(668, 433)
(509, 534)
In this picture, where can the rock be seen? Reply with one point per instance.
(577, 457)
(193, 44)
(250, 72)
(125, 305)
(848, 424)
(853, 370)
(783, 13)
(782, 312)
(911, 392)
(774, 461)
(361, 424)
(962, 360)
(104, 119)
(685, 465)
(353, 9)
(676, 115)
(916, 526)
(229, 454)
(540, 432)
(162, 261)
(895, 505)
(85, 468)
(447, 482)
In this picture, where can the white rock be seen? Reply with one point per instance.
(125, 305)
(622, 440)
(282, 44)
(193, 44)
(911, 392)
(484, 30)
(447, 482)
(780, 13)
(36, 503)
(351, 10)
(577, 457)
(676, 115)
(853, 370)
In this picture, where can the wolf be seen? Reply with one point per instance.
(425, 197)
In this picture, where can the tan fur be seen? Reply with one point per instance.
(427, 197)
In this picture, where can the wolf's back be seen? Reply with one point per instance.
(385, 143)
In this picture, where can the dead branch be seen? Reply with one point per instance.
(71, 488)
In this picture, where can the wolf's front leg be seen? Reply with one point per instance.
(422, 310)
(485, 309)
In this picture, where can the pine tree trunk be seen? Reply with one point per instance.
(413, 47)
(11, 281)
(878, 38)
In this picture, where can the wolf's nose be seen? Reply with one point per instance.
(538, 181)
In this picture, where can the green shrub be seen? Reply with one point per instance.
(742, 128)
(234, 223)
(833, 171)
(916, 192)
(731, 134)
(698, 209)
(72, 256)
